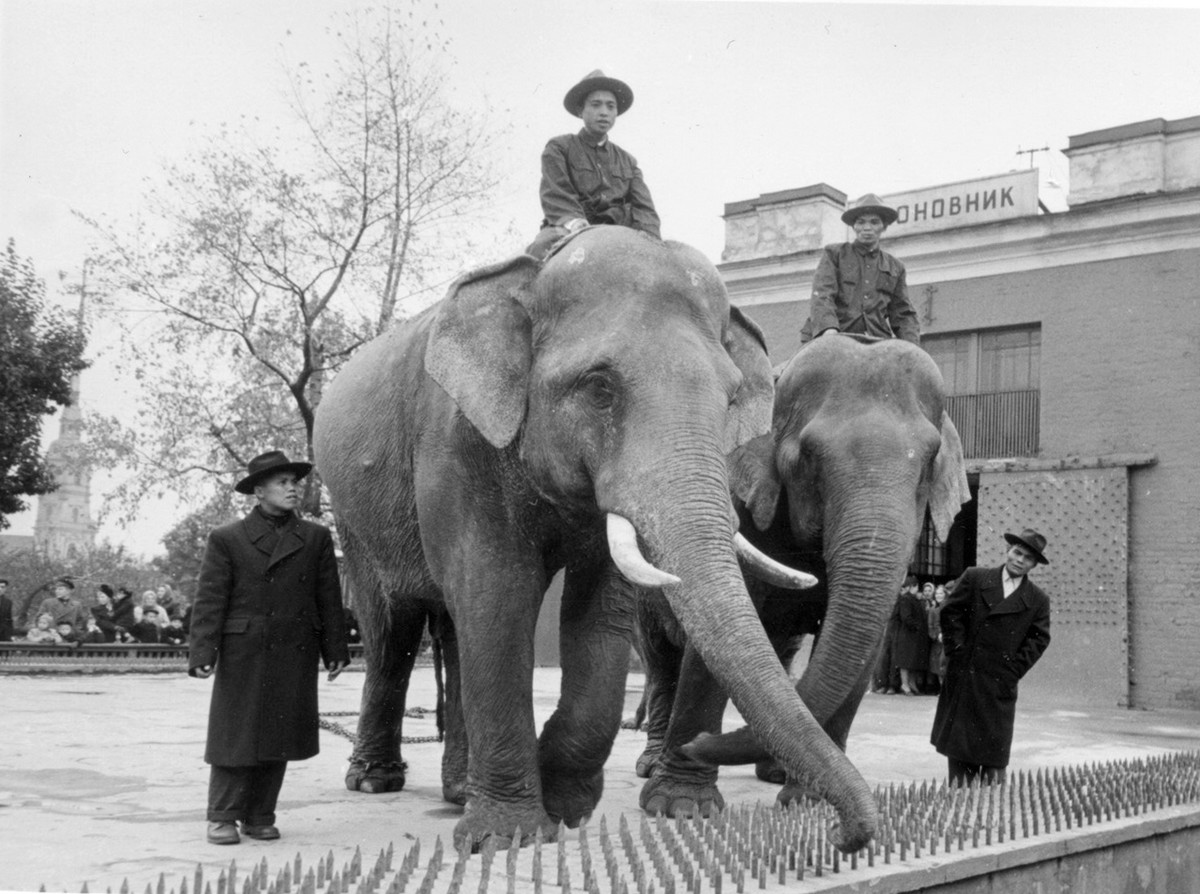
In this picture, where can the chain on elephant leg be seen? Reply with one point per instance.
(375, 777)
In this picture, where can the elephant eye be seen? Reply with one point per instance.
(598, 386)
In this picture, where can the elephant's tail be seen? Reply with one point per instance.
(441, 688)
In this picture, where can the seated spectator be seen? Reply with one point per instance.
(123, 613)
(150, 600)
(102, 613)
(6, 613)
(174, 633)
(63, 606)
(168, 601)
(148, 630)
(93, 633)
(43, 630)
(67, 633)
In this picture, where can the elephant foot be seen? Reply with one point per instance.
(375, 777)
(680, 787)
(489, 820)
(649, 758)
(571, 799)
(769, 770)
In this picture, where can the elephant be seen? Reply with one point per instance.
(860, 446)
(570, 413)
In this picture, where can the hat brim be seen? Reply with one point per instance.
(888, 215)
(247, 484)
(573, 101)
(1013, 539)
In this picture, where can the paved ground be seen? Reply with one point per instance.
(102, 777)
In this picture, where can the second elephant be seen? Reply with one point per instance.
(860, 447)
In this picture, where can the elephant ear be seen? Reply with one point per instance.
(480, 349)
(948, 488)
(753, 479)
(750, 412)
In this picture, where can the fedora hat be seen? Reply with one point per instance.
(597, 80)
(268, 464)
(1032, 541)
(868, 204)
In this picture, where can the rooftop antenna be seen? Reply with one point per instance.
(1032, 152)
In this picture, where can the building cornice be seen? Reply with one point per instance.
(1098, 231)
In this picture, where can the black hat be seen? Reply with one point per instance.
(65, 582)
(869, 204)
(573, 101)
(1032, 541)
(106, 590)
(268, 464)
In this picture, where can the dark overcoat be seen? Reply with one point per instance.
(990, 643)
(911, 650)
(267, 612)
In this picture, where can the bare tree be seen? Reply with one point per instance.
(254, 271)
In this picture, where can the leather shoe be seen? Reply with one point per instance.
(262, 833)
(223, 833)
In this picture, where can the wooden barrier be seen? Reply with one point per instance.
(106, 658)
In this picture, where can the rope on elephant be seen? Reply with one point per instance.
(338, 730)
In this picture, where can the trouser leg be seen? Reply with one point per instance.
(266, 781)
(248, 794)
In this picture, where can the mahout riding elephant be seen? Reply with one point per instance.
(575, 413)
(860, 446)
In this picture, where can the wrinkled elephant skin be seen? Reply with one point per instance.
(860, 447)
(473, 451)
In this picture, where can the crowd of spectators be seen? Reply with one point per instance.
(911, 659)
(160, 615)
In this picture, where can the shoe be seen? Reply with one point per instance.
(223, 833)
(262, 833)
(907, 691)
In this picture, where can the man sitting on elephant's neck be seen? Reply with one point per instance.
(586, 177)
(859, 287)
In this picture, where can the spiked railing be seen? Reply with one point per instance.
(745, 846)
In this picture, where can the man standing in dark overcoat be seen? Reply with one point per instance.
(267, 610)
(995, 627)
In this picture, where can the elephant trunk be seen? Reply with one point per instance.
(693, 540)
(866, 557)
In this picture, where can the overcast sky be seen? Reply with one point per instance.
(732, 99)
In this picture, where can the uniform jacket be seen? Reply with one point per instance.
(602, 185)
(990, 643)
(268, 611)
(858, 291)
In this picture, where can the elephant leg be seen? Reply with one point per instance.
(454, 748)
(595, 631)
(390, 647)
(661, 659)
(678, 784)
(495, 611)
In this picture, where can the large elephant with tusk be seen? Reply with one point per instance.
(860, 448)
(570, 414)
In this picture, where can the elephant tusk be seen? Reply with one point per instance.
(623, 546)
(767, 569)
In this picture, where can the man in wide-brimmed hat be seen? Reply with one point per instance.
(586, 177)
(859, 287)
(268, 609)
(995, 627)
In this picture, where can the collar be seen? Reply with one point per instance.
(275, 521)
(862, 250)
(589, 140)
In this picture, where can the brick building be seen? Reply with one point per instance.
(1070, 345)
